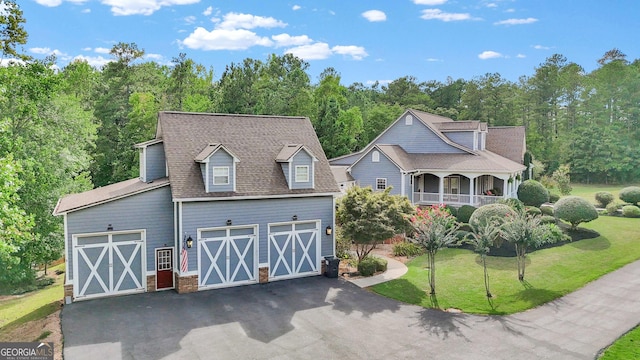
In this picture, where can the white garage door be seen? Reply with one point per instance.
(108, 264)
(227, 257)
(294, 249)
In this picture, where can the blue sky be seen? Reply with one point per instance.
(365, 41)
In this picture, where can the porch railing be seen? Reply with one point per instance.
(434, 198)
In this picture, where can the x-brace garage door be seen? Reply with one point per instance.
(294, 249)
(108, 264)
(227, 257)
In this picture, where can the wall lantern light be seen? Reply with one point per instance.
(189, 242)
(109, 227)
(229, 222)
(294, 217)
(328, 230)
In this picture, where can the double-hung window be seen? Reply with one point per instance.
(381, 183)
(221, 175)
(302, 173)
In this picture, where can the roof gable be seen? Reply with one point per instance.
(289, 151)
(211, 149)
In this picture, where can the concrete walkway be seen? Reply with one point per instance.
(395, 269)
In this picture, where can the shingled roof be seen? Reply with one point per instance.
(256, 140)
(507, 141)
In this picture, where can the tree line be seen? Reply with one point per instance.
(69, 129)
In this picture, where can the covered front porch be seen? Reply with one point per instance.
(463, 188)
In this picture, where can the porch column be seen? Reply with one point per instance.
(505, 187)
(441, 189)
(472, 190)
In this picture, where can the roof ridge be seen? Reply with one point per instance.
(235, 115)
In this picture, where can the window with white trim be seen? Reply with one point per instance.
(220, 175)
(302, 173)
(375, 156)
(381, 183)
(408, 120)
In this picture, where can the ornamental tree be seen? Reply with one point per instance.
(367, 218)
(630, 195)
(533, 193)
(434, 228)
(575, 210)
(482, 238)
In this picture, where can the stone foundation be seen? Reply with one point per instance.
(263, 275)
(151, 283)
(186, 284)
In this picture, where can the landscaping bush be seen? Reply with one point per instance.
(631, 211)
(612, 208)
(369, 265)
(604, 198)
(547, 219)
(513, 203)
(407, 249)
(553, 197)
(556, 234)
(533, 193)
(547, 210)
(532, 210)
(497, 211)
(452, 210)
(465, 212)
(630, 195)
(575, 210)
(343, 245)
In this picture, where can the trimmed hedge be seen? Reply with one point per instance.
(612, 208)
(631, 211)
(547, 219)
(370, 265)
(407, 249)
(532, 210)
(497, 211)
(465, 212)
(533, 193)
(575, 210)
(604, 198)
(513, 203)
(547, 210)
(553, 198)
(630, 195)
(452, 210)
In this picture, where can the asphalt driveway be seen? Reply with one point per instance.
(332, 319)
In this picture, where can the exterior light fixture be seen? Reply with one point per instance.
(189, 242)
(109, 227)
(294, 217)
(229, 222)
(328, 230)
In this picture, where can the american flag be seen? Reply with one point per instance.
(184, 263)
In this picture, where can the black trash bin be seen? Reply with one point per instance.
(332, 265)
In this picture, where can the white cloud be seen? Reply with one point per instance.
(54, 3)
(516, 21)
(541, 47)
(224, 39)
(434, 60)
(437, 14)
(95, 61)
(248, 21)
(317, 51)
(86, 11)
(101, 50)
(379, 82)
(356, 52)
(288, 40)
(429, 2)
(296, 7)
(208, 11)
(492, 5)
(156, 57)
(140, 7)
(190, 19)
(7, 62)
(510, 10)
(521, 56)
(47, 51)
(374, 15)
(489, 55)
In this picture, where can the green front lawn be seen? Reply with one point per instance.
(627, 347)
(550, 273)
(588, 191)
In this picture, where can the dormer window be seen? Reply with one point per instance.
(220, 175)
(302, 173)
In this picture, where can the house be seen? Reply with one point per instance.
(435, 160)
(222, 200)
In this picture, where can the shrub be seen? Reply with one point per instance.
(513, 203)
(465, 212)
(612, 208)
(562, 179)
(547, 219)
(381, 264)
(631, 211)
(604, 198)
(532, 210)
(407, 249)
(546, 210)
(630, 195)
(343, 245)
(452, 210)
(487, 212)
(367, 266)
(532, 193)
(553, 197)
(556, 234)
(575, 210)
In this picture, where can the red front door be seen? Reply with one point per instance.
(164, 268)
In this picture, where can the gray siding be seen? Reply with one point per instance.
(209, 214)
(365, 172)
(415, 138)
(285, 171)
(156, 163)
(221, 158)
(151, 210)
(464, 138)
(302, 158)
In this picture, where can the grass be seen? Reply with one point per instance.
(35, 305)
(550, 273)
(627, 347)
(588, 191)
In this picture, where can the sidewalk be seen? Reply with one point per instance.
(395, 269)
